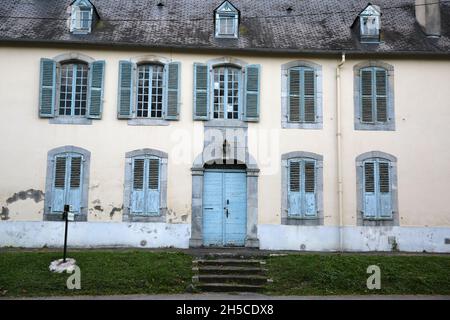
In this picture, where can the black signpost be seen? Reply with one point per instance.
(66, 218)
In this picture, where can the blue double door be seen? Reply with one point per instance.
(224, 208)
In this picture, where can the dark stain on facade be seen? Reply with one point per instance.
(5, 214)
(114, 210)
(99, 208)
(36, 195)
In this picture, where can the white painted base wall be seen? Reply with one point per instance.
(272, 237)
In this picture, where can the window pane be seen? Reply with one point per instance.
(73, 89)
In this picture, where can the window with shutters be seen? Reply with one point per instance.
(67, 182)
(145, 186)
(301, 95)
(149, 92)
(377, 188)
(374, 109)
(71, 89)
(369, 21)
(226, 89)
(227, 21)
(81, 17)
(302, 188)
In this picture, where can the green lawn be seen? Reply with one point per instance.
(335, 274)
(102, 273)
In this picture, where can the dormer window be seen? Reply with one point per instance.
(227, 21)
(370, 24)
(81, 17)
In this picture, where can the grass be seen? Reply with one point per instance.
(335, 274)
(102, 273)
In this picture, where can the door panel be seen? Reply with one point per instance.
(236, 203)
(213, 209)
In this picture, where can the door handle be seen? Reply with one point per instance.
(226, 211)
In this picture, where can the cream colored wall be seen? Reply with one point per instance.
(420, 142)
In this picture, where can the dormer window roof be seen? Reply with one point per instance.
(226, 21)
(82, 14)
(369, 21)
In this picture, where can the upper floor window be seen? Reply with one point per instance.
(374, 104)
(227, 21)
(369, 21)
(81, 17)
(67, 182)
(377, 176)
(71, 89)
(226, 89)
(149, 93)
(301, 95)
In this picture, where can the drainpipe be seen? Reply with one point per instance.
(339, 151)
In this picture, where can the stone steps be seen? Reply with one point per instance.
(231, 278)
(204, 270)
(229, 287)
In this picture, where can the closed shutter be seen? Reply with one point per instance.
(59, 184)
(309, 96)
(153, 195)
(201, 91)
(310, 188)
(75, 183)
(173, 91)
(370, 198)
(96, 83)
(138, 192)
(252, 91)
(47, 88)
(385, 194)
(294, 188)
(366, 95)
(381, 95)
(294, 95)
(125, 99)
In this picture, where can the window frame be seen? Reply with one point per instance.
(128, 216)
(285, 96)
(76, 21)
(378, 220)
(389, 125)
(287, 219)
(163, 93)
(49, 215)
(220, 14)
(75, 64)
(240, 92)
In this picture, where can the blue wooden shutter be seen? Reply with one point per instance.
(96, 84)
(138, 192)
(384, 188)
(125, 100)
(153, 187)
(201, 91)
(59, 184)
(47, 88)
(369, 190)
(252, 88)
(294, 188)
(173, 91)
(75, 183)
(294, 94)
(309, 95)
(309, 179)
(381, 95)
(366, 91)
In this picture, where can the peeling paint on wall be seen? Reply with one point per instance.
(114, 210)
(36, 195)
(5, 214)
(98, 208)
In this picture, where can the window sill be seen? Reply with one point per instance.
(147, 122)
(375, 126)
(302, 221)
(70, 120)
(142, 218)
(378, 222)
(299, 125)
(58, 217)
(227, 123)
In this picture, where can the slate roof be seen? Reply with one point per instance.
(313, 26)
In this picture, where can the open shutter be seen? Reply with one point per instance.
(96, 84)
(252, 88)
(125, 99)
(385, 190)
(294, 95)
(366, 96)
(75, 184)
(47, 88)
(138, 193)
(173, 91)
(201, 90)
(153, 195)
(59, 184)
(370, 198)
(310, 188)
(309, 95)
(381, 92)
(294, 189)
